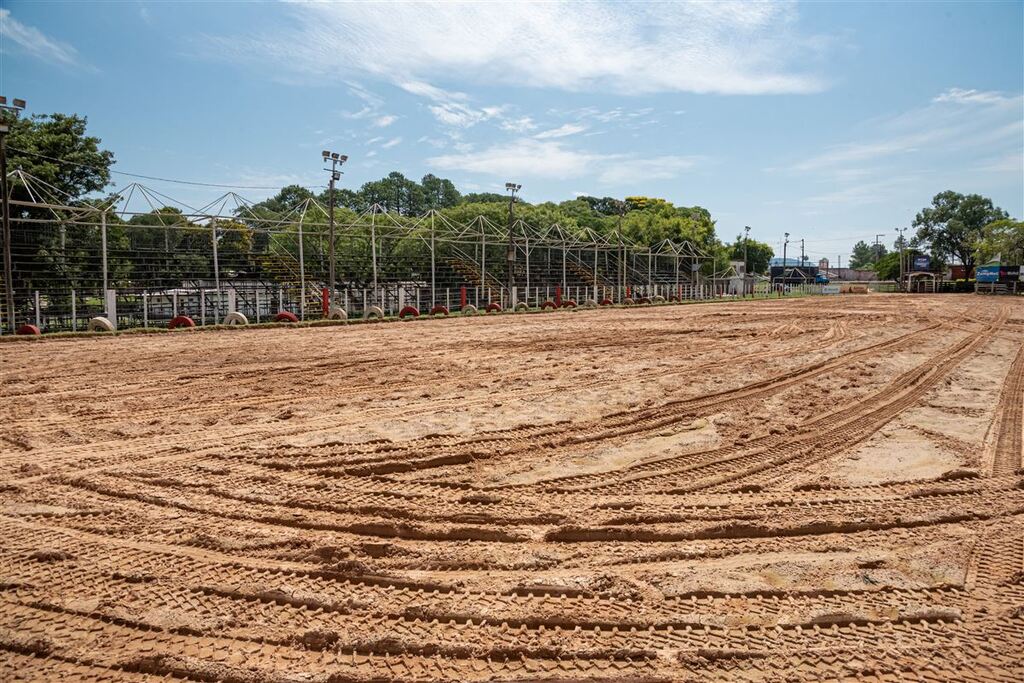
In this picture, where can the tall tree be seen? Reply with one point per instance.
(862, 255)
(759, 254)
(954, 223)
(1002, 239)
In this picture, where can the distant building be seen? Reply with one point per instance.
(823, 264)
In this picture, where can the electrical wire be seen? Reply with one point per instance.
(155, 178)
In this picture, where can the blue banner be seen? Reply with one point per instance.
(987, 274)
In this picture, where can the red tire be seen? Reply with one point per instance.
(27, 329)
(286, 317)
(606, 302)
(548, 304)
(568, 303)
(407, 311)
(181, 321)
(492, 307)
(442, 310)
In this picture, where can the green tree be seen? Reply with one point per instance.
(954, 223)
(759, 254)
(1003, 239)
(439, 193)
(36, 145)
(862, 256)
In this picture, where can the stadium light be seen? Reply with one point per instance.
(336, 160)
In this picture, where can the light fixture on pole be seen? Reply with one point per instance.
(746, 263)
(510, 257)
(16, 106)
(336, 161)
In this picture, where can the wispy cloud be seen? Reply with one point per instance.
(391, 143)
(31, 41)
(384, 121)
(730, 48)
(552, 159)
(561, 131)
(962, 96)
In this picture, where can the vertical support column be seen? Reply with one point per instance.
(202, 306)
(232, 301)
(564, 281)
(110, 297)
(526, 241)
(483, 258)
(373, 249)
(174, 305)
(145, 309)
(74, 313)
(103, 247)
(216, 269)
(433, 267)
(280, 298)
(39, 313)
(302, 273)
(256, 296)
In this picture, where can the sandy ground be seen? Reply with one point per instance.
(815, 489)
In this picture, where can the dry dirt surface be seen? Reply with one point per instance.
(822, 488)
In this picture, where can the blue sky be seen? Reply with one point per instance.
(830, 121)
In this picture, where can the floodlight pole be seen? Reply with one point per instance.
(336, 160)
(16, 107)
(785, 244)
(876, 246)
(901, 231)
(746, 262)
(510, 257)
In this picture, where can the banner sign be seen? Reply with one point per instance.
(987, 274)
(830, 289)
(921, 263)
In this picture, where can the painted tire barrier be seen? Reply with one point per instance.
(468, 309)
(235, 318)
(180, 321)
(628, 302)
(522, 306)
(675, 299)
(409, 311)
(375, 312)
(337, 313)
(439, 310)
(26, 329)
(568, 303)
(589, 303)
(643, 300)
(606, 302)
(493, 307)
(100, 324)
(548, 304)
(658, 299)
(286, 317)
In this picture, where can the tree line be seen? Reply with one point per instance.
(163, 247)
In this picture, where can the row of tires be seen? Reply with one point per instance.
(102, 324)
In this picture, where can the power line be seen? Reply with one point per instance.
(155, 178)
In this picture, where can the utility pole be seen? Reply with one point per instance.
(512, 188)
(839, 273)
(901, 231)
(877, 250)
(785, 244)
(746, 263)
(15, 107)
(336, 160)
(801, 252)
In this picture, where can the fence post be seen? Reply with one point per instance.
(74, 313)
(39, 323)
(174, 305)
(216, 267)
(433, 272)
(103, 246)
(145, 310)
(280, 298)
(256, 296)
(202, 305)
(110, 296)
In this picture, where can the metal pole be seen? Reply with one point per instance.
(74, 313)
(373, 249)
(302, 272)
(8, 258)
(103, 247)
(330, 276)
(526, 246)
(216, 268)
(433, 269)
(511, 256)
(483, 259)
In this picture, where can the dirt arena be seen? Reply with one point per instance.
(819, 488)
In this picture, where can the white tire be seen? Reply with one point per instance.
(589, 303)
(337, 313)
(235, 318)
(522, 306)
(658, 299)
(374, 312)
(468, 309)
(100, 324)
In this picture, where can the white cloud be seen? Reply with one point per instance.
(34, 42)
(384, 121)
(391, 143)
(561, 131)
(374, 140)
(962, 96)
(529, 157)
(732, 48)
(523, 124)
